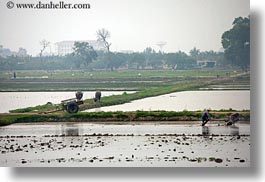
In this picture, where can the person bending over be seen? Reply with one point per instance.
(205, 117)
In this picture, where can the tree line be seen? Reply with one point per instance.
(101, 60)
(236, 44)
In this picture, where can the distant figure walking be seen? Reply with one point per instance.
(232, 119)
(205, 116)
(97, 96)
(14, 75)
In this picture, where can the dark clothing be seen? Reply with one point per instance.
(233, 119)
(97, 96)
(79, 95)
(205, 117)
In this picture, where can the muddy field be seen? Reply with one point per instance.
(149, 144)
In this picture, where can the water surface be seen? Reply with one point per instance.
(188, 100)
(149, 144)
(16, 100)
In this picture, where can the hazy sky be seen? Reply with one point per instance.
(134, 24)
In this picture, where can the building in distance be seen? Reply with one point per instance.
(6, 52)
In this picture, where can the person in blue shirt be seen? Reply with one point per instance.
(205, 116)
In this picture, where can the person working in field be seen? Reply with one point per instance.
(97, 96)
(232, 119)
(205, 116)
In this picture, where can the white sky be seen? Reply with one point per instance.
(134, 24)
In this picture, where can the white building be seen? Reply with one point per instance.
(5, 52)
(206, 63)
(66, 47)
(22, 52)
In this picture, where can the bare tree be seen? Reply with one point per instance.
(44, 44)
(102, 36)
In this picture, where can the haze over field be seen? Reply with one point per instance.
(134, 25)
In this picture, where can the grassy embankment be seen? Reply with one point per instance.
(6, 119)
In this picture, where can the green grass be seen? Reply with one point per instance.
(162, 114)
(68, 74)
(86, 85)
(66, 80)
(6, 119)
(37, 108)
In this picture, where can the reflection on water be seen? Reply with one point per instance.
(205, 131)
(234, 130)
(80, 129)
(70, 130)
(222, 130)
(73, 134)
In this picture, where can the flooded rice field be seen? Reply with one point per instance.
(178, 101)
(133, 144)
(17, 100)
(188, 100)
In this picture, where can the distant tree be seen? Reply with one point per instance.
(180, 60)
(171, 60)
(83, 54)
(148, 54)
(116, 60)
(156, 60)
(44, 44)
(102, 36)
(9, 62)
(194, 53)
(138, 60)
(187, 63)
(236, 43)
